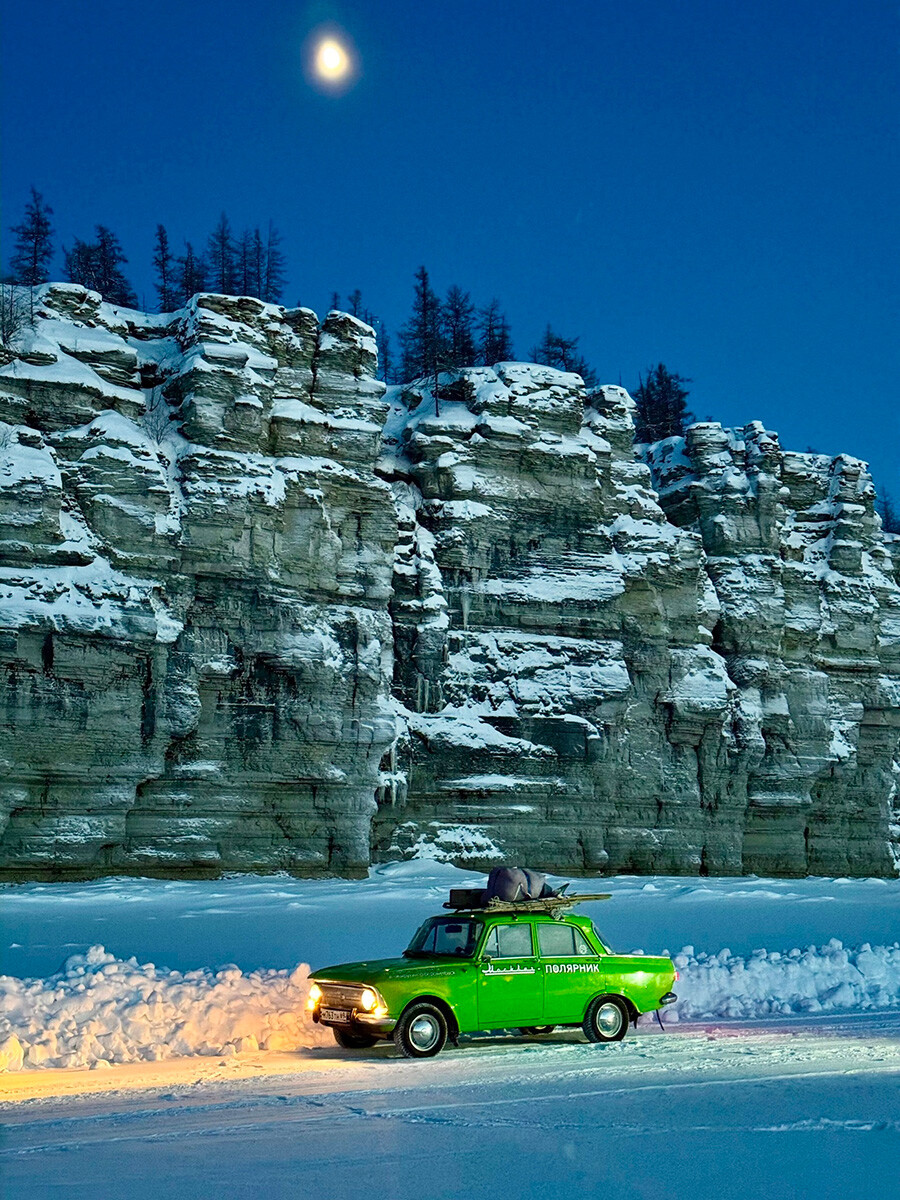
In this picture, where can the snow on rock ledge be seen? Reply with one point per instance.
(257, 614)
(195, 564)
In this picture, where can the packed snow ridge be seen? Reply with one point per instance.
(100, 1010)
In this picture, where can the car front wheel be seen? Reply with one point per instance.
(606, 1020)
(421, 1032)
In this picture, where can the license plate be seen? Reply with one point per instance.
(340, 1015)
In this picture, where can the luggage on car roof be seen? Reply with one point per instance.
(516, 883)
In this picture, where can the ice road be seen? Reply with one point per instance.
(785, 1110)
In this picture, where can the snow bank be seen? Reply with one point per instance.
(769, 983)
(99, 1010)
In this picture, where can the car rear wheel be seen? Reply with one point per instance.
(606, 1019)
(421, 1032)
(534, 1030)
(352, 1041)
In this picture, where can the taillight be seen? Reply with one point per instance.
(677, 976)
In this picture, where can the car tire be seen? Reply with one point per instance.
(606, 1019)
(534, 1030)
(421, 1032)
(353, 1041)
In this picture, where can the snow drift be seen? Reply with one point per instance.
(100, 1010)
(770, 983)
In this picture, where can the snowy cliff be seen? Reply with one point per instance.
(256, 613)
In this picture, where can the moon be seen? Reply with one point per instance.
(331, 61)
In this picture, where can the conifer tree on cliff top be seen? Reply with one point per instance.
(164, 267)
(97, 265)
(247, 280)
(494, 337)
(275, 268)
(221, 255)
(420, 339)
(661, 409)
(30, 262)
(190, 274)
(560, 352)
(457, 315)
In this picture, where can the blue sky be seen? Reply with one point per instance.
(709, 185)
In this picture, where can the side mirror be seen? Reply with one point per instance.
(486, 958)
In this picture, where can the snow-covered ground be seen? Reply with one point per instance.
(780, 1074)
(702, 1113)
(141, 970)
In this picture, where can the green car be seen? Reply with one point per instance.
(529, 966)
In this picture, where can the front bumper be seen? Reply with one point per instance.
(371, 1022)
(384, 1025)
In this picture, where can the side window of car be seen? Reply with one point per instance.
(562, 941)
(509, 941)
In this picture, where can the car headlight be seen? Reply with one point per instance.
(315, 995)
(368, 1000)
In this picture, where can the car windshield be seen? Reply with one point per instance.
(444, 936)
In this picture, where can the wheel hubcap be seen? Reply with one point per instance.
(609, 1019)
(424, 1032)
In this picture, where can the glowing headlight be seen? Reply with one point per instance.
(368, 1000)
(315, 995)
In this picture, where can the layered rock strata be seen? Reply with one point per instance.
(257, 614)
(682, 664)
(196, 646)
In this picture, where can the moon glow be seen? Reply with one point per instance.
(331, 62)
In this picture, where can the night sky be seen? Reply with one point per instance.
(706, 184)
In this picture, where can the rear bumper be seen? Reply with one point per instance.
(668, 998)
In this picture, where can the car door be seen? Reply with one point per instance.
(571, 972)
(510, 991)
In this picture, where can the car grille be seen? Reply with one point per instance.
(340, 995)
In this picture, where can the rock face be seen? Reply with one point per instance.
(196, 646)
(256, 614)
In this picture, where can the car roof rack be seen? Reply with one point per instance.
(551, 905)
